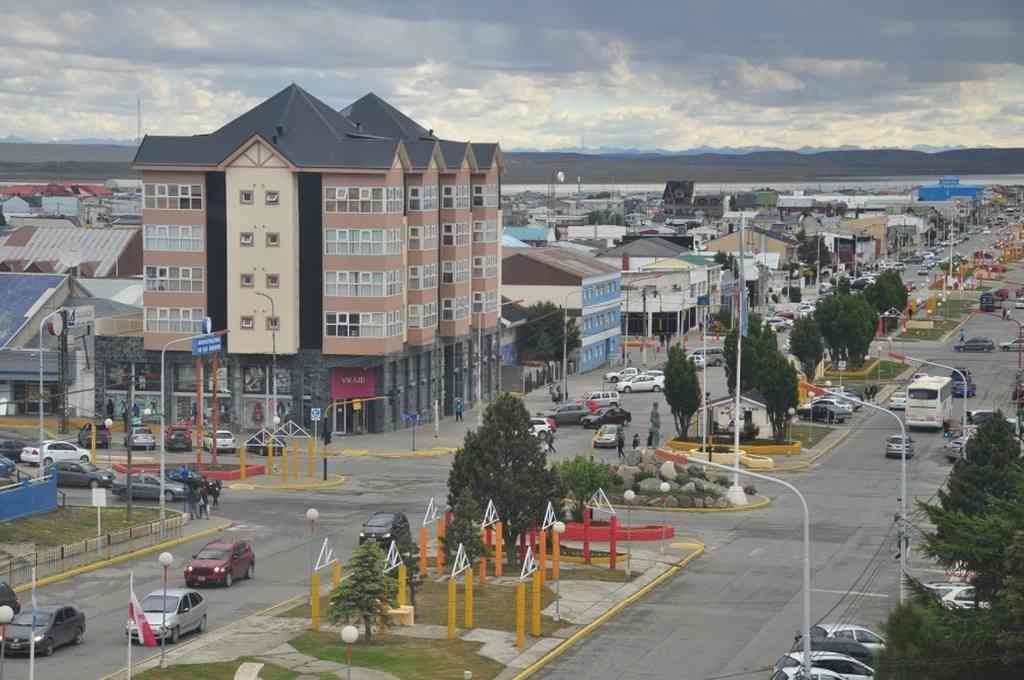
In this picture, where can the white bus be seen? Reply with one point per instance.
(929, 402)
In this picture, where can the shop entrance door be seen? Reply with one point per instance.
(350, 417)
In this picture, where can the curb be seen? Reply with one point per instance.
(804, 465)
(584, 632)
(761, 502)
(433, 452)
(311, 486)
(101, 564)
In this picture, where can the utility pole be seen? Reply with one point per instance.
(62, 368)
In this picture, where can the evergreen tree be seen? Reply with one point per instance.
(759, 341)
(887, 292)
(581, 477)
(777, 382)
(807, 345)
(367, 593)
(682, 389)
(503, 462)
(847, 324)
(464, 529)
(990, 468)
(541, 337)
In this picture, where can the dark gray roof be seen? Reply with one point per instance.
(454, 153)
(378, 117)
(484, 154)
(21, 293)
(303, 129)
(513, 313)
(420, 153)
(646, 247)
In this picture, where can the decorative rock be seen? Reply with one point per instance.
(689, 487)
(671, 502)
(698, 502)
(650, 485)
(633, 458)
(668, 471)
(647, 456)
(722, 503)
(628, 473)
(681, 471)
(709, 501)
(686, 502)
(695, 471)
(650, 469)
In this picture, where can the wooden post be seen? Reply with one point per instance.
(424, 540)
(542, 551)
(467, 613)
(296, 461)
(520, 615)
(335, 574)
(499, 542)
(284, 463)
(314, 601)
(556, 551)
(440, 544)
(270, 457)
(311, 460)
(535, 610)
(403, 577)
(612, 541)
(243, 473)
(451, 608)
(483, 559)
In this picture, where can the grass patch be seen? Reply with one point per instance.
(221, 670)
(939, 328)
(71, 524)
(809, 435)
(494, 606)
(589, 572)
(405, 658)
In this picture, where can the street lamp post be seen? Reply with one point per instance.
(664, 487)
(166, 559)
(6, 616)
(41, 435)
(806, 637)
(735, 494)
(630, 498)
(312, 515)
(349, 635)
(559, 528)
(565, 341)
(273, 360)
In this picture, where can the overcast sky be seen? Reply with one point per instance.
(673, 74)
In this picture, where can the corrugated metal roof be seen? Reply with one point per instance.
(583, 266)
(70, 246)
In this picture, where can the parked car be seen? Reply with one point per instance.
(898, 402)
(843, 664)
(180, 612)
(568, 414)
(643, 383)
(975, 345)
(221, 561)
(50, 452)
(1015, 345)
(8, 468)
(821, 413)
(539, 427)
(894, 446)
(76, 473)
(11, 449)
(148, 487)
(964, 390)
(713, 356)
(624, 374)
(980, 416)
(225, 441)
(140, 438)
(53, 627)
(837, 403)
(600, 398)
(848, 648)
(850, 631)
(605, 416)
(1002, 294)
(383, 527)
(9, 597)
(606, 437)
(955, 447)
(797, 672)
(102, 436)
(178, 438)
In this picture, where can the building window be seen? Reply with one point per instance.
(455, 271)
(455, 234)
(461, 307)
(360, 284)
(174, 279)
(448, 309)
(273, 239)
(423, 237)
(422, 277)
(478, 303)
(485, 196)
(354, 199)
(363, 242)
(491, 303)
(462, 197)
(394, 199)
(415, 199)
(394, 283)
(393, 323)
(422, 316)
(414, 316)
(485, 302)
(273, 323)
(448, 196)
(485, 267)
(173, 196)
(454, 308)
(272, 197)
(485, 231)
(246, 239)
(245, 196)
(248, 323)
(430, 197)
(273, 281)
(174, 320)
(247, 280)
(173, 237)
(362, 324)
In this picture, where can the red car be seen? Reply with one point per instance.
(221, 562)
(1002, 293)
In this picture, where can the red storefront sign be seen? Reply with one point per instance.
(353, 383)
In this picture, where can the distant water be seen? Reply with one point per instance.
(865, 184)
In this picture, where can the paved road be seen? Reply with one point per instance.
(734, 611)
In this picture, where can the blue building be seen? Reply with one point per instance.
(949, 189)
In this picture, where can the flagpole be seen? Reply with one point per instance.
(32, 637)
(131, 589)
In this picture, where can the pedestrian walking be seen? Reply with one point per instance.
(458, 409)
(551, 441)
(636, 441)
(213, 489)
(961, 335)
(204, 502)
(620, 443)
(190, 498)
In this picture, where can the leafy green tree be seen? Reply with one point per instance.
(990, 468)
(810, 247)
(581, 477)
(778, 383)
(503, 462)
(367, 593)
(541, 337)
(1011, 639)
(843, 285)
(887, 292)
(682, 389)
(807, 345)
(465, 529)
(848, 325)
(759, 341)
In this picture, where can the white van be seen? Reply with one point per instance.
(601, 398)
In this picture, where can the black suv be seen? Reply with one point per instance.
(9, 597)
(384, 527)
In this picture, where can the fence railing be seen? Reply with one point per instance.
(59, 559)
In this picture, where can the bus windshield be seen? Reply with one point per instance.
(922, 394)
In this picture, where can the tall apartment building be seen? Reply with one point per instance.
(355, 246)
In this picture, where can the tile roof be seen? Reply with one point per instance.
(380, 118)
(53, 248)
(21, 293)
(645, 247)
(454, 153)
(303, 129)
(420, 152)
(484, 153)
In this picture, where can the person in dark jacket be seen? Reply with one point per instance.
(620, 444)
(636, 441)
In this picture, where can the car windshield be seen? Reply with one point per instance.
(143, 430)
(223, 434)
(213, 554)
(25, 619)
(159, 603)
(380, 521)
(89, 467)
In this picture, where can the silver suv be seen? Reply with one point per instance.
(181, 612)
(140, 438)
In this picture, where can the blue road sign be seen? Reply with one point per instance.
(207, 344)
(315, 414)
(410, 417)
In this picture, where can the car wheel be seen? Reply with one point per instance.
(251, 571)
(228, 580)
(615, 404)
(615, 379)
(83, 459)
(169, 496)
(175, 635)
(47, 461)
(79, 637)
(627, 389)
(93, 484)
(202, 624)
(657, 388)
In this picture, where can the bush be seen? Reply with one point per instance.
(581, 477)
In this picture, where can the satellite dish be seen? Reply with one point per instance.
(560, 176)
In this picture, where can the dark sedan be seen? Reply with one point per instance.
(178, 439)
(821, 413)
(54, 627)
(963, 390)
(148, 486)
(975, 345)
(609, 415)
(384, 527)
(8, 469)
(11, 449)
(71, 473)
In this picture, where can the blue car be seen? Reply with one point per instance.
(961, 389)
(8, 470)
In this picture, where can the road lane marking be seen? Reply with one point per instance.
(856, 593)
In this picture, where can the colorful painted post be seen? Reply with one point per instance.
(284, 464)
(270, 457)
(440, 543)
(483, 565)
(535, 609)
(451, 609)
(520, 615)
(467, 613)
(311, 460)
(92, 451)
(336, 574)
(498, 545)
(296, 458)
(612, 542)
(243, 472)
(586, 535)
(314, 601)
(424, 540)
(556, 552)
(403, 577)
(542, 536)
